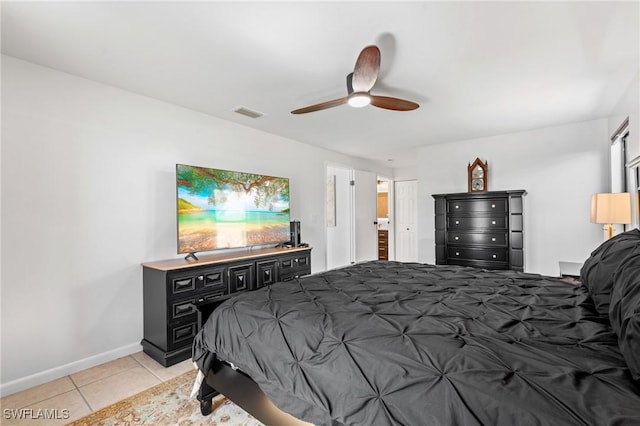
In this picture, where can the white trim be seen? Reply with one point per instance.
(67, 369)
(634, 163)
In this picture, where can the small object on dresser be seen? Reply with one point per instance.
(477, 174)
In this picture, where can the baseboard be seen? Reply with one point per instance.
(64, 370)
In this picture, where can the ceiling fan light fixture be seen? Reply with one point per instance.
(359, 100)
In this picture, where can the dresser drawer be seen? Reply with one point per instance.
(295, 266)
(182, 309)
(183, 284)
(267, 273)
(179, 285)
(487, 254)
(476, 238)
(185, 308)
(489, 222)
(241, 277)
(182, 334)
(489, 205)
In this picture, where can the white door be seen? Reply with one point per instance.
(406, 220)
(339, 217)
(365, 215)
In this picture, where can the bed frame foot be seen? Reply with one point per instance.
(205, 396)
(206, 407)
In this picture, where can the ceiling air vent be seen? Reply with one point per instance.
(248, 112)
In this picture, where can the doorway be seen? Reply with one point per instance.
(384, 218)
(351, 216)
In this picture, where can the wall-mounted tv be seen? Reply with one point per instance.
(220, 209)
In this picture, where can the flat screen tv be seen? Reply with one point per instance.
(219, 209)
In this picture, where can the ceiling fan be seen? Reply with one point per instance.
(359, 84)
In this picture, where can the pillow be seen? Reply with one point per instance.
(597, 272)
(624, 311)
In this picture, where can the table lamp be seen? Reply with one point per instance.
(611, 209)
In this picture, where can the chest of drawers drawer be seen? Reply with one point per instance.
(478, 222)
(489, 254)
(490, 205)
(477, 238)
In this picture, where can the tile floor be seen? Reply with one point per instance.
(92, 389)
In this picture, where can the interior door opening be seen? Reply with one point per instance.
(352, 217)
(384, 214)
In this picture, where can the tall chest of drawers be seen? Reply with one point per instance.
(481, 229)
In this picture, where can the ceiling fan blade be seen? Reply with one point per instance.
(395, 104)
(366, 70)
(321, 106)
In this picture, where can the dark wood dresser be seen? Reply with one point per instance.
(173, 288)
(481, 229)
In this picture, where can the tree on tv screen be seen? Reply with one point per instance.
(265, 189)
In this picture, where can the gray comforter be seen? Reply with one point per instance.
(383, 343)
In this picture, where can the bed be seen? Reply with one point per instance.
(389, 343)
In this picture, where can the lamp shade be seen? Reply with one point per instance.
(611, 208)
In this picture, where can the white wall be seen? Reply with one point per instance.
(559, 167)
(88, 192)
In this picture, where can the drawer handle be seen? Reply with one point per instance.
(493, 222)
(457, 222)
(494, 256)
(183, 309)
(457, 253)
(214, 295)
(493, 206)
(456, 238)
(457, 206)
(181, 333)
(182, 284)
(493, 238)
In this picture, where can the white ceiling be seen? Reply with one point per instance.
(476, 68)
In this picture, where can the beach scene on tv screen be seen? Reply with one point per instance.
(225, 209)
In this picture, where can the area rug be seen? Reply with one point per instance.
(168, 403)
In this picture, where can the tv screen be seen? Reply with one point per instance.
(224, 209)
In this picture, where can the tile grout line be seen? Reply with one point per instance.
(38, 401)
(102, 378)
(147, 368)
(97, 380)
(81, 394)
(78, 388)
